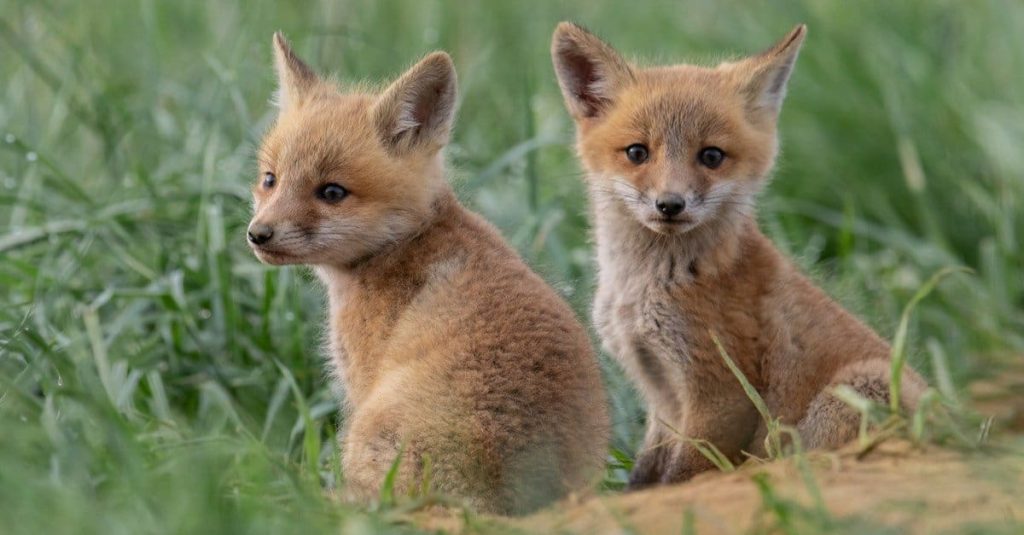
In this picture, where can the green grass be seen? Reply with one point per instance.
(154, 377)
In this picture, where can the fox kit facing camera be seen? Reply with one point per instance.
(675, 157)
(452, 353)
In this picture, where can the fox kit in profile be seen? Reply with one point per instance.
(674, 158)
(450, 350)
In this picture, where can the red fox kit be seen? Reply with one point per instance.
(674, 158)
(450, 350)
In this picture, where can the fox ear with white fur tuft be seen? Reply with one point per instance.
(294, 78)
(766, 74)
(590, 72)
(418, 109)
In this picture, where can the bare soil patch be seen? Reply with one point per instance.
(914, 491)
(897, 487)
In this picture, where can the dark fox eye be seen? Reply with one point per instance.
(331, 193)
(711, 157)
(269, 180)
(637, 153)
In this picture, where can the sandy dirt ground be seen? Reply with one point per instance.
(897, 487)
(913, 491)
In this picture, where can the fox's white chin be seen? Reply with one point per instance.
(671, 227)
(275, 258)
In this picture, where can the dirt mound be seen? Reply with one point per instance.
(895, 486)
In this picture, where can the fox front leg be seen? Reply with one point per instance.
(653, 457)
(728, 422)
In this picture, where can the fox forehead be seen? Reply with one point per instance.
(322, 137)
(333, 138)
(676, 109)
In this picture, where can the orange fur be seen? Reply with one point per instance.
(448, 347)
(668, 280)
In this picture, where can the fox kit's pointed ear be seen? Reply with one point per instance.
(590, 72)
(294, 78)
(418, 108)
(765, 75)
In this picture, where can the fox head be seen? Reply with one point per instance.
(675, 147)
(344, 175)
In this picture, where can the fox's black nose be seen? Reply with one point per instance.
(260, 234)
(670, 204)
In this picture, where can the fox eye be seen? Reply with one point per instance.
(269, 180)
(711, 157)
(637, 153)
(331, 193)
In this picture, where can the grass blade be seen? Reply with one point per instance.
(898, 354)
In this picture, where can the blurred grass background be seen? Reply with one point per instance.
(154, 377)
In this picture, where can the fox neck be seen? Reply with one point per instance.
(365, 301)
(712, 248)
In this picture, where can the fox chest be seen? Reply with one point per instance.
(649, 318)
(339, 360)
(355, 344)
(648, 333)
